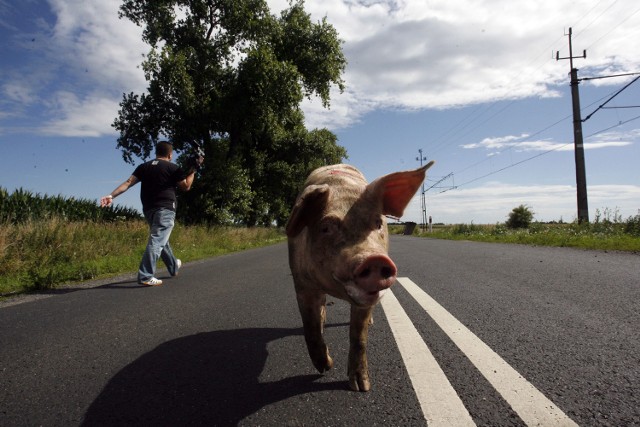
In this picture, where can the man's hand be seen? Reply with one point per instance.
(106, 201)
(195, 163)
(200, 161)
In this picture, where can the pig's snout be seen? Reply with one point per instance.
(376, 273)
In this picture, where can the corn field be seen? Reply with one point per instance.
(23, 206)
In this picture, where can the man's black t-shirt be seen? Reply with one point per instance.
(159, 179)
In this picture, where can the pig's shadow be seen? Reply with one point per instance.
(209, 378)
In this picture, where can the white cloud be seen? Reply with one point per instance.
(19, 92)
(521, 143)
(403, 54)
(493, 201)
(601, 144)
(616, 137)
(496, 142)
(90, 116)
(345, 110)
(77, 69)
(101, 47)
(99, 54)
(412, 54)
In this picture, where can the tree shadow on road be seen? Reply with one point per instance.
(205, 379)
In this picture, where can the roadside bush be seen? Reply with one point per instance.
(632, 226)
(466, 229)
(499, 230)
(520, 217)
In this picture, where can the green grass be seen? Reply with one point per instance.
(43, 254)
(601, 235)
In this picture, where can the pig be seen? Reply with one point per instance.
(338, 245)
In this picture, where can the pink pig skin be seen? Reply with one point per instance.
(338, 245)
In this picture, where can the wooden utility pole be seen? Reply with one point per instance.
(423, 201)
(581, 175)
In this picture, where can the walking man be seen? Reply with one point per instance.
(160, 178)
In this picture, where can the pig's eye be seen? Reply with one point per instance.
(379, 224)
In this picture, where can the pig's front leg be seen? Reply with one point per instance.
(313, 312)
(358, 333)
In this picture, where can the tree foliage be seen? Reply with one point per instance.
(231, 75)
(520, 217)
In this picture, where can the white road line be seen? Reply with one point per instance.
(527, 401)
(440, 404)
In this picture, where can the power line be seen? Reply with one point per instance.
(514, 164)
(614, 28)
(439, 181)
(537, 155)
(458, 128)
(609, 77)
(540, 132)
(614, 126)
(596, 18)
(511, 147)
(607, 101)
(534, 134)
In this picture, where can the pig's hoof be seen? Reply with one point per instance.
(323, 364)
(358, 382)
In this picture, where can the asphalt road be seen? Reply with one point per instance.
(221, 343)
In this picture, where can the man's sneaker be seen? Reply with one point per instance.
(178, 265)
(152, 282)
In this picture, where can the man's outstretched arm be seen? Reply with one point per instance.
(106, 201)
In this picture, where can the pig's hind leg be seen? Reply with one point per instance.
(313, 312)
(358, 334)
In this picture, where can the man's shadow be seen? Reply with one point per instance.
(208, 378)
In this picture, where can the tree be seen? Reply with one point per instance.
(520, 217)
(229, 74)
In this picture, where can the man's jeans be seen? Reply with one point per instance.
(161, 223)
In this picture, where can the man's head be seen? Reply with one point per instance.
(164, 149)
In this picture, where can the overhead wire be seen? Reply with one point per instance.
(614, 28)
(456, 128)
(509, 148)
(514, 164)
(614, 126)
(596, 18)
(542, 154)
(532, 135)
(608, 100)
(439, 146)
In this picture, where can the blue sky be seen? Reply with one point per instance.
(473, 84)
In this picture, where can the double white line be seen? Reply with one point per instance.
(440, 403)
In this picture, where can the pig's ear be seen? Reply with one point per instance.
(396, 190)
(308, 208)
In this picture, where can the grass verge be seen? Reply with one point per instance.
(44, 254)
(600, 236)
